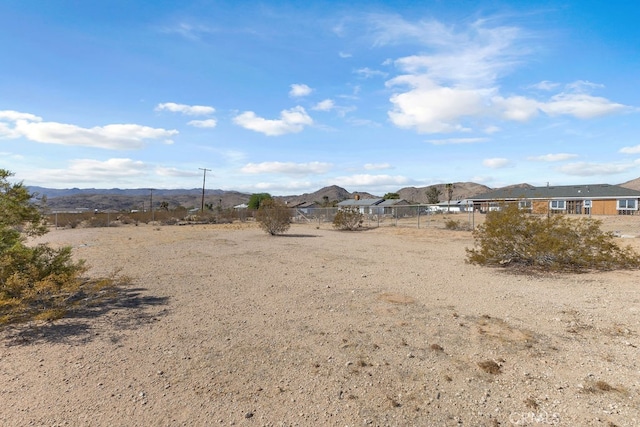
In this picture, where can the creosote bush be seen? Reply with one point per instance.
(348, 219)
(36, 282)
(511, 237)
(273, 216)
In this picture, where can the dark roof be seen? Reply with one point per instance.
(361, 202)
(597, 191)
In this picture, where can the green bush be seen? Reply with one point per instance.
(511, 237)
(273, 216)
(36, 282)
(348, 219)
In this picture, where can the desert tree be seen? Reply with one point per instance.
(256, 200)
(38, 282)
(273, 216)
(449, 188)
(433, 195)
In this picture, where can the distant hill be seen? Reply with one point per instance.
(330, 194)
(461, 190)
(634, 184)
(140, 198)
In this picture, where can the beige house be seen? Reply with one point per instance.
(598, 199)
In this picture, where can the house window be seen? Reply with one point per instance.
(627, 204)
(557, 205)
(524, 205)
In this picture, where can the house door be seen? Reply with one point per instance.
(574, 207)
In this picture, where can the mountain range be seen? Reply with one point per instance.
(141, 198)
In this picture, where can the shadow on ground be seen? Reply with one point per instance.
(116, 310)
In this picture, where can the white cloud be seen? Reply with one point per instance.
(450, 141)
(174, 172)
(114, 136)
(289, 186)
(190, 110)
(233, 156)
(298, 90)
(326, 105)
(291, 121)
(582, 86)
(368, 73)
(209, 123)
(545, 85)
(457, 81)
(496, 163)
(475, 56)
(365, 180)
(557, 157)
(14, 116)
(93, 171)
(517, 108)
(287, 168)
(344, 55)
(592, 168)
(430, 108)
(377, 166)
(580, 105)
(630, 150)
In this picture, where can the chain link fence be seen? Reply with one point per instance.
(410, 216)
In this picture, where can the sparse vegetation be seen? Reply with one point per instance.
(512, 237)
(454, 224)
(490, 367)
(433, 195)
(39, 282)
(273, 216)
(256, 200)
(348, 219)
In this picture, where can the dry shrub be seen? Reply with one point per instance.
(454, 224)
(273, 216)
(348, 219)
(512, 237)
(490, 367)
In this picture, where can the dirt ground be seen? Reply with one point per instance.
(225, 325)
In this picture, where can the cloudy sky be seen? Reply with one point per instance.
(287, 97)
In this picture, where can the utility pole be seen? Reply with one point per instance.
(151, 205)
(204, 179)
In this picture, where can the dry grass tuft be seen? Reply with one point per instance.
(490, 367)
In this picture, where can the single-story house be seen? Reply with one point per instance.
(455, 206)
(305, 207)
(598, 199)
(377, 206)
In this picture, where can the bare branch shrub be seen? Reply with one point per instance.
(273, 216)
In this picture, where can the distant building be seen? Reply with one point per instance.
(598, 199)
(373, 206)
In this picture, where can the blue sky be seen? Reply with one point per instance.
(287, 97)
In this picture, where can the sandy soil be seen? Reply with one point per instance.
(225, 325)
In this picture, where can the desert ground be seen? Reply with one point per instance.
(226, 325)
